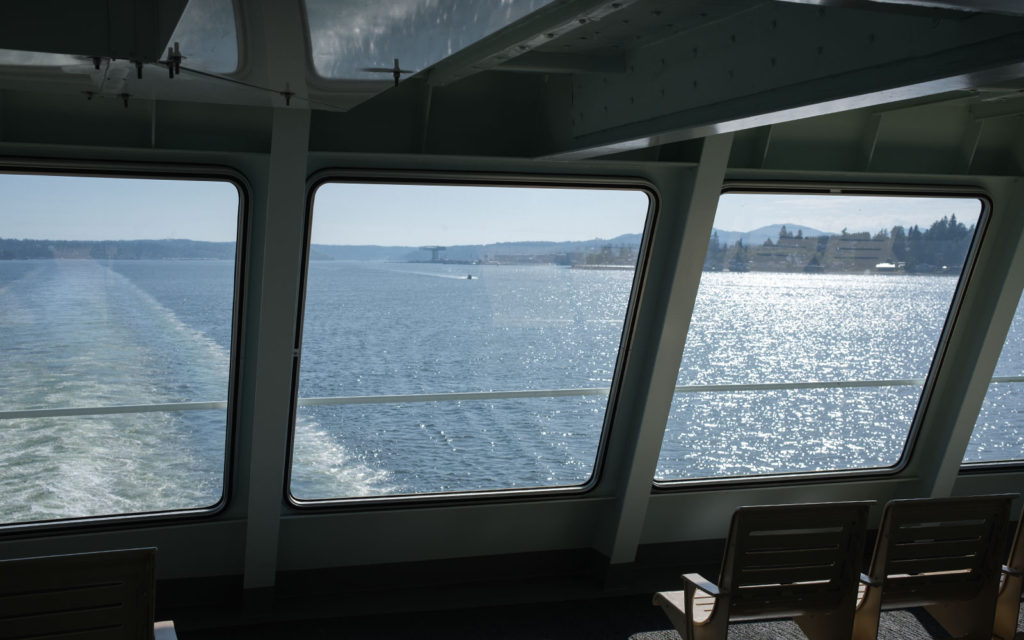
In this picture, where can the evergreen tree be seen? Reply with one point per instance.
(740, 258)
(944, 244)
(714, 259)
(899, 242)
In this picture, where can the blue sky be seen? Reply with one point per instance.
(89, 208)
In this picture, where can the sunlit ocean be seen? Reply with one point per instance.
(83, 334)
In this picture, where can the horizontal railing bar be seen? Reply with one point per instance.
(103, 411)
(845, 384)
(468, 395)
(448, 397)
(785, 386)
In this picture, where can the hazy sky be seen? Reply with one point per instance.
(81, 208)
(833, 213)
(410, 215)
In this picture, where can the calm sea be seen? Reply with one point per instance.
(84, 334)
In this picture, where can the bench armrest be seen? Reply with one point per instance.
(702, 583)
(164, 630)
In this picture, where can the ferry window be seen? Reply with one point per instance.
(999, 431)
(18, 58)
(365, 39)
(116, 299)
(460, 338)
(814, 330)
(207, 37)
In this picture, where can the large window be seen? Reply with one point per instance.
(116, 299)
(814, 331)
(999, 432)
(459, 337)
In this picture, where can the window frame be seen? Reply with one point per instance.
(241, 42)
(990, 466)
(141, 171)
(474, 179)
(368, 86)
(784, 187)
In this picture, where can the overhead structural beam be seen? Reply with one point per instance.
(777, 63)
(538, 28)
(137, 30)
(1005, 7)
(869, 141)
(539, 62)
(969, 143)
(999, 105)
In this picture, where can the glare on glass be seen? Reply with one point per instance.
(814, 329)
(460, 338)
(116, 299)
(348, 37)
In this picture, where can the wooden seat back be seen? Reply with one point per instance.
(1008, 602)
(940, 549)
(107, 595)
(791, 560)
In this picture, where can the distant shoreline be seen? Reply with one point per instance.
(939, 249)
(604, 267)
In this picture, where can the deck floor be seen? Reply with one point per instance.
(619, 618)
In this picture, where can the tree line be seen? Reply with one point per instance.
(940, 247)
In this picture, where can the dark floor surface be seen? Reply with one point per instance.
(618, 618)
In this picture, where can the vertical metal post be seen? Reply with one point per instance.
(986, 315)
(694, 203)
(282, 253)
(278, 288)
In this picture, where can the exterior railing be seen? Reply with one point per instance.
(468, 395)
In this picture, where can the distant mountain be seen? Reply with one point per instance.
(620, 249)
(518, 252)
(494, 252)
(758, 236)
